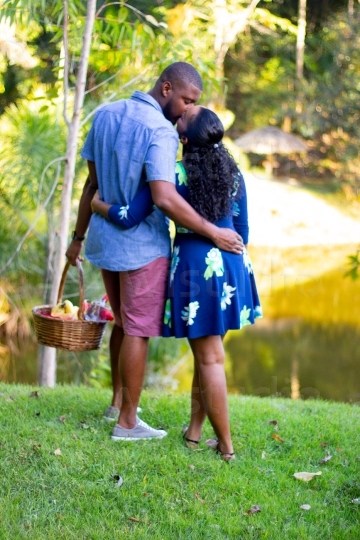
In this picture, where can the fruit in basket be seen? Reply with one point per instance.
(65, 310)
(95, 311)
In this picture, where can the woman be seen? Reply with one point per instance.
(210, 291)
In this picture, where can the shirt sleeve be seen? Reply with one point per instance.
(161, 156)
(240, 211)
(136, 211)
(88, 151)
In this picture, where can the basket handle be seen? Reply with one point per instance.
(81, 287)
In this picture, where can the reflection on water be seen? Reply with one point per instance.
(295, 358)
(18, 364)
(307, 346)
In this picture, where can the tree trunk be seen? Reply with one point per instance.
(227, 26)
(47, 355)
(300, 42)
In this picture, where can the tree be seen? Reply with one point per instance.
(127, 48)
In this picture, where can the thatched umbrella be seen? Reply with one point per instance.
(270, 140)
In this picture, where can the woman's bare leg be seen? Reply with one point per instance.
(198, 413)
(210, 358)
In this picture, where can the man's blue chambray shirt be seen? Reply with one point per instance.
(131, 143)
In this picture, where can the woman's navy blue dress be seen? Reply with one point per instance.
(210, 291)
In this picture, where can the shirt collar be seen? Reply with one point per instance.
(141, 96)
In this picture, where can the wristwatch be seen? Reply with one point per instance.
(76, 237)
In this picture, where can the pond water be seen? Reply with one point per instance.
(307, 345)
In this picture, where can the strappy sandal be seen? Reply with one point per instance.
(214, 445)
(225, 456)
(189, 443)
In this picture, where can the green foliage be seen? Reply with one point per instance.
(169, 491)
(32, 138)
(332, 114)
(354, 264)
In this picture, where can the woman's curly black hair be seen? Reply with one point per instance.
(213, 176)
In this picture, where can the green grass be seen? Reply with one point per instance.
(174, 492)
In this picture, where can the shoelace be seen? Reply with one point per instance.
(144, 425)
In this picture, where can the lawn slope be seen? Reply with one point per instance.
(60, 471)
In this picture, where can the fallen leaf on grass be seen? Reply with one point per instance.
(356, 501)
(274, 423)
(305, 506)
(306, 476)
(326, 458)
(62, 418)
(138, 520)
(35, 393)
(324, 444)
(253, 510)
(277, 437)
(263, 455)
(191, 467)
(36, 447)
(57, 452)
(197, 496)
(83, 424)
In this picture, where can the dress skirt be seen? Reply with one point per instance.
(210, 291)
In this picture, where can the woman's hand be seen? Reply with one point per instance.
(99, 206)
(94, 201)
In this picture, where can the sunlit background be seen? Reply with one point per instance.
(265, 64)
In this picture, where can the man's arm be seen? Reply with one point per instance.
(167, 199)
(84, 213)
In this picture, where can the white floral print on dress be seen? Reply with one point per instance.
(181, 174)
(167, 313)
(227, 294)
(189, 313)
(174, 262)
(247, 261)
(123, 212)
(214, 262)
(244, 316)
(236, 209)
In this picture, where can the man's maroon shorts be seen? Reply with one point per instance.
(138, 297)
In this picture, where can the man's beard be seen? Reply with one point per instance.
(168, 113)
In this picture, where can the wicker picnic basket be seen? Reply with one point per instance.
(77, 335)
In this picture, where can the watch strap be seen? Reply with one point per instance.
(76, 237)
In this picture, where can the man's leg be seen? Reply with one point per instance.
(116, 339)
(142, 302)
(133, 355)
(112, 286)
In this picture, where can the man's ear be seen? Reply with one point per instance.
(184, 139)
(166, 88)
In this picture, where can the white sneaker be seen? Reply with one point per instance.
(112, 413)
(140, 431)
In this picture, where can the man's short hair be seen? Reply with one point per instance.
(181, 74)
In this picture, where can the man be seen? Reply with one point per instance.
(131, 142)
